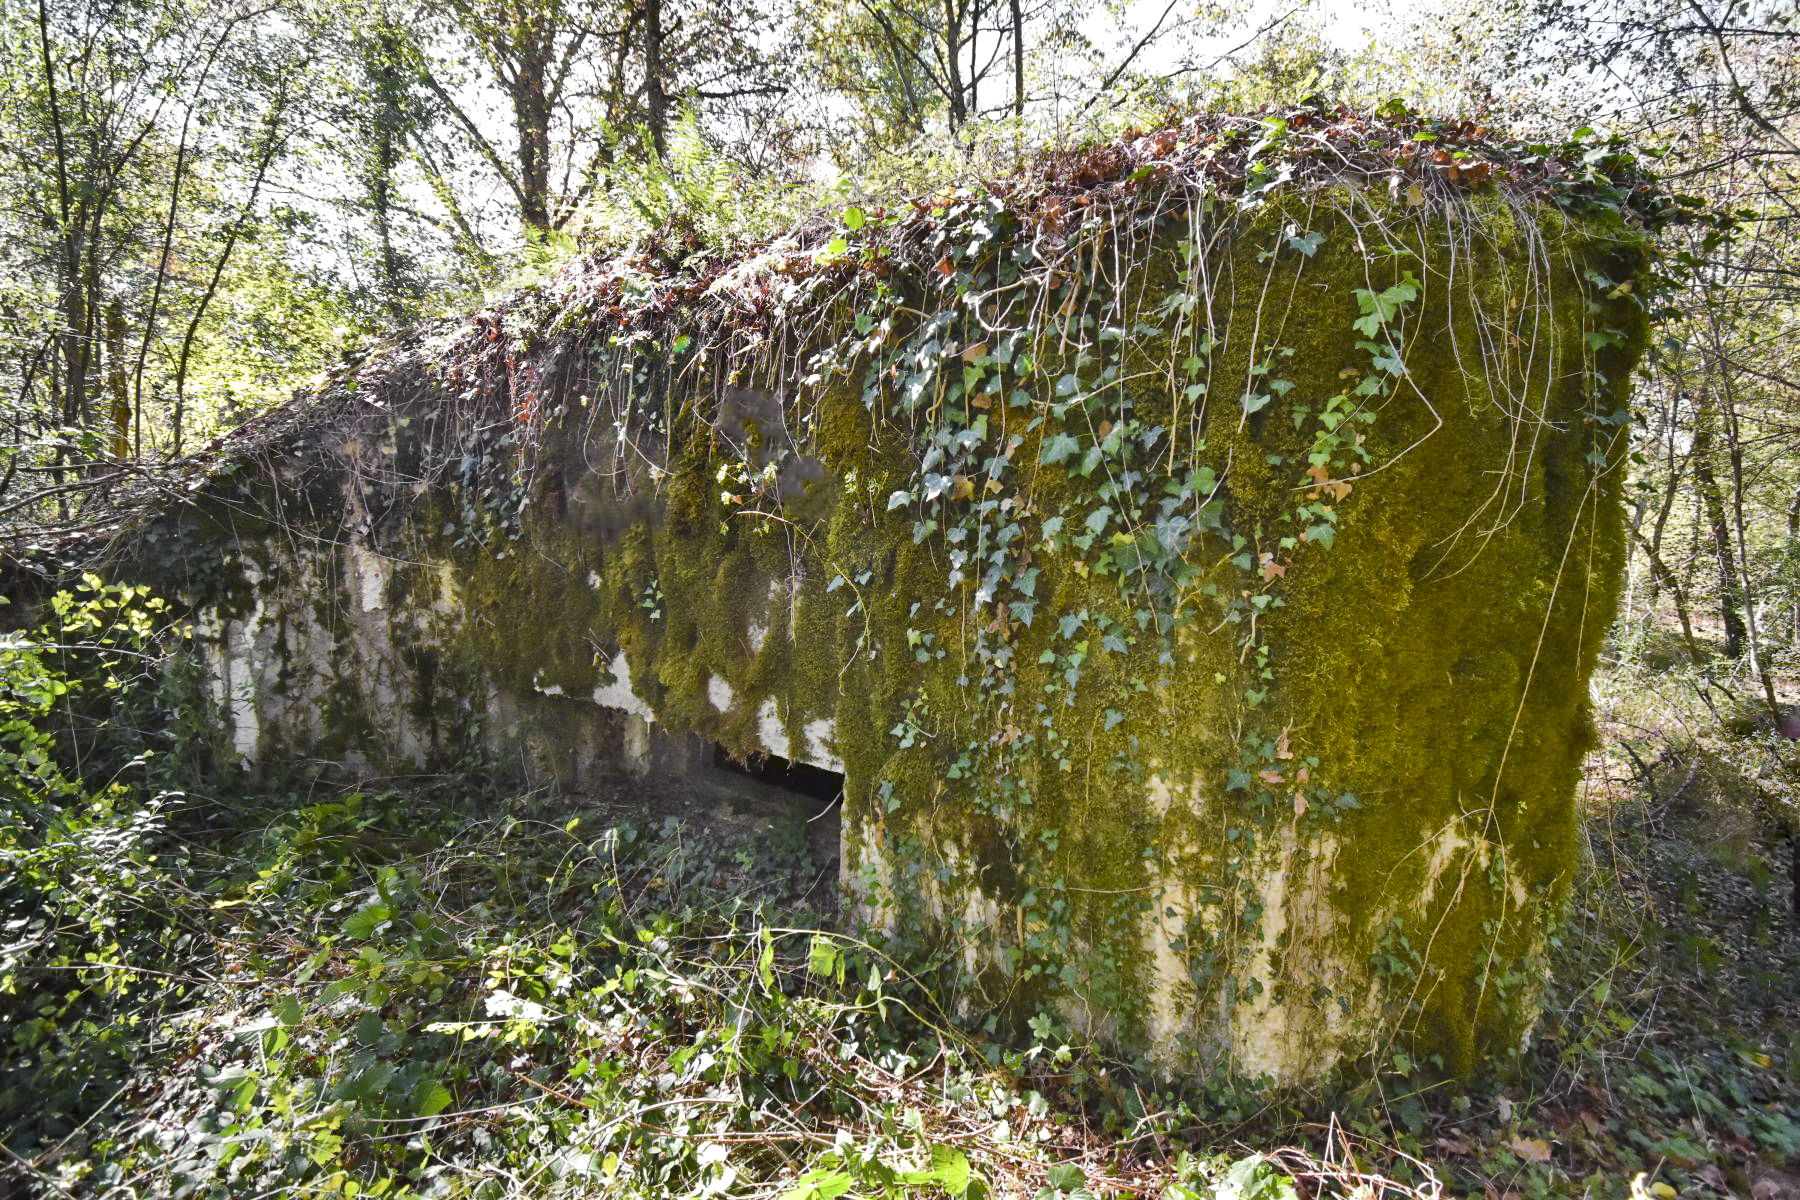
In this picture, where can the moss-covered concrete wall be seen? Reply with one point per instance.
(1196, 586)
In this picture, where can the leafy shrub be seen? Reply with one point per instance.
(83, 893)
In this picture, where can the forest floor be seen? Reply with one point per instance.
(437, 990)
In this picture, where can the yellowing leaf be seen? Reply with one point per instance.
(1535, 1150)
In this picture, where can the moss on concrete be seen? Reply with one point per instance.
(1201, 613)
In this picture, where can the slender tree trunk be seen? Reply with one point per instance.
(168, 232)
(271, 146)
(1734, 449)
(71, 223)
(119, 432)
(1731, 611)
(390, 132)
(655, 102)
(1018, 37)
(531, 121)
(1793, 550)
(959, 111)
(1661, 575)
(74, 339)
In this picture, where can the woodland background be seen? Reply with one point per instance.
(205, 203)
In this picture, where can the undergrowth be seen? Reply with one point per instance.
(211, 990)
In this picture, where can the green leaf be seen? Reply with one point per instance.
(1307, 243)
(823, 1184)
(287, 1011)
(1255, 402)
(950, 1169)
(1057, 449)
(431, 1098)
(855, 218)
(823, 957)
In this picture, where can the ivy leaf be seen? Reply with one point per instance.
(1097, 519)
(1307, 243)
(1057, 449)
(1255, 402)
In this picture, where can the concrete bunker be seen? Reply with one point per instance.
(1190, 553)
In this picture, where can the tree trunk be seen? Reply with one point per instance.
(656, 106)
(390, 120)
(959, 111)
(1793, 549)
(531, 120)
(119, 433)
(1018, 36)
(1731, 611)
(1660, 575)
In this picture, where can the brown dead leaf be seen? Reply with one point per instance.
(1535, 1150)
(945, 267)
(978, 350)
